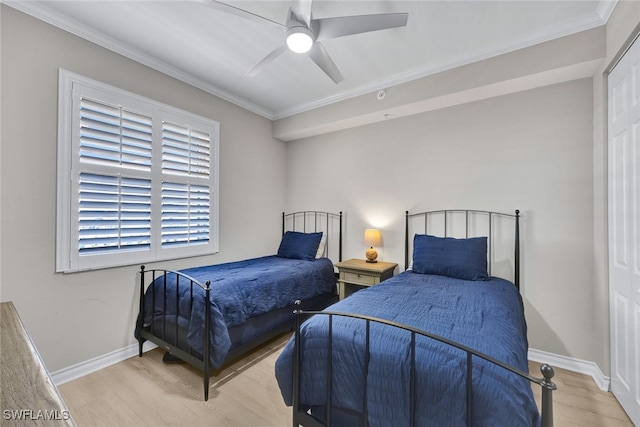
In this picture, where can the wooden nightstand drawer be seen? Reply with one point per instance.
(365, 279)
(356, 274)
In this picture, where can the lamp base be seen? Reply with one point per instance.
(372, 255)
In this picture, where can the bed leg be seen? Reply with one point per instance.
(140, 320)
(547, 395)
(206, 371)
(296, 366)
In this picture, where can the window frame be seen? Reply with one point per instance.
(69, 168)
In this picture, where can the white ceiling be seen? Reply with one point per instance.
(213, 50)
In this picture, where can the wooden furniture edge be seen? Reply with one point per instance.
(28, 394)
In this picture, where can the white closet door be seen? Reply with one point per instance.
(624, 230)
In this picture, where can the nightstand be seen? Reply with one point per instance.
(357, 273)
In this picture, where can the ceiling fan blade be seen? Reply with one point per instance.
(267, 60)
(302, 10)
(331, 28)
(321, 57)
(227, 8)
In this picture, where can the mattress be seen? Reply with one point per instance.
(484, 315)
(240, 291)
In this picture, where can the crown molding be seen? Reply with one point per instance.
(571, 27)
(605, 9)
(42, 12)
(39, 11)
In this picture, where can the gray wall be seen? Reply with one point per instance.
(76, 317)
(542, 151)
(531, 150)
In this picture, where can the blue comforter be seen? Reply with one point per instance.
(487, 316)
(239, 291)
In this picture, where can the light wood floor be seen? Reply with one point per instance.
(146, 392)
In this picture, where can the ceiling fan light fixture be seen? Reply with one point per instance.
(299, 39)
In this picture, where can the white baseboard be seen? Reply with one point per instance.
(84, 368)
(92, 365)
(569, 363)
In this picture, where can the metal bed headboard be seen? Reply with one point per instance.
(313, 222)
(465, 223)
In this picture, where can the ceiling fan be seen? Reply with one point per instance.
(304, 34)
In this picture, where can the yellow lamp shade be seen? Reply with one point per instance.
(372, 237)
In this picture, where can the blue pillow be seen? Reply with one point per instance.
(299, 245)
(446, 256)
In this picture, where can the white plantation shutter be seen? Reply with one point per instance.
(113, 136)
(114, 214)
(114, 211)
(186, 164)
(185, 151)
(137, 179)
(185, 214)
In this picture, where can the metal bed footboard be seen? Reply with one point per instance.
(301, 416)
(159, 336)
(303, 221)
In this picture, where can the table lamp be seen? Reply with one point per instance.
(372, 237)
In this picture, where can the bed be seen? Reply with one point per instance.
(211, 314)
(440, 344)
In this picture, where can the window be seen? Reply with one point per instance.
(137, 179)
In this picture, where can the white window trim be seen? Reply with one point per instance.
(68, 172)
